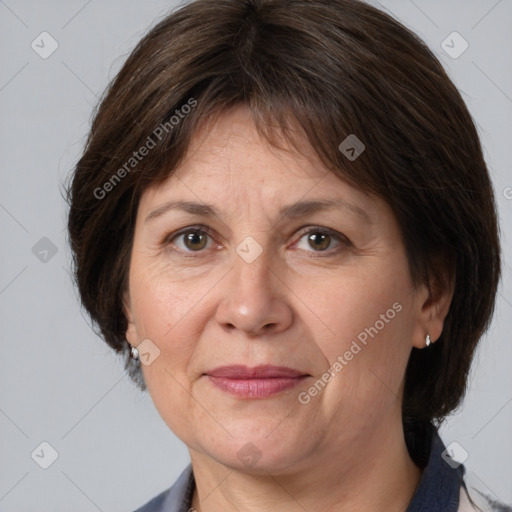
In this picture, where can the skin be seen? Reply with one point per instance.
(295, 305)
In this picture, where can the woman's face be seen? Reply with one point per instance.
(277, 263)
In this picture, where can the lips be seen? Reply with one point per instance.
(256, 382)
(256, 372)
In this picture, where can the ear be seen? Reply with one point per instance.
(434, 300)
(131, 331)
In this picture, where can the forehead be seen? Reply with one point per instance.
(229, 163)
(232, 143)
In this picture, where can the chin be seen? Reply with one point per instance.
(258, 454)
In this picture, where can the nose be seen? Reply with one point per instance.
(254, 299)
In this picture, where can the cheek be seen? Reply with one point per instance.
(163, 315)
(370, 325)
(359, 308)
(160, 304)
(171, 396)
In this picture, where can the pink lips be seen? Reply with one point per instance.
(256, 382)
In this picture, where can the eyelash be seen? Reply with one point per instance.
(200, 229)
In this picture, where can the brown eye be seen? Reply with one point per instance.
(319, 241)
(324, 242)
(195, 240)
(189, 240)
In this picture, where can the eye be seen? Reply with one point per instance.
(189, 240)
(322, 240)
(195, 239)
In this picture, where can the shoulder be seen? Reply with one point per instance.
(156, 504)
(175, 499)
(445, 483)
(472, 500)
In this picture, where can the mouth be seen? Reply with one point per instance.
(256, 382)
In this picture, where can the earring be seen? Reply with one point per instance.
(428, 341)
(134, 353)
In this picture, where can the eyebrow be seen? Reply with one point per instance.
(293, 211)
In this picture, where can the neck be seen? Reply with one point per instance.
(371, 474)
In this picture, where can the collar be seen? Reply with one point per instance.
(440, 483)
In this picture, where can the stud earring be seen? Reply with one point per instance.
(428, 341)
(134, 353)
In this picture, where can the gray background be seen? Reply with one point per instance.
(59, 382)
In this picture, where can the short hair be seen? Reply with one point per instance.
(326, 69)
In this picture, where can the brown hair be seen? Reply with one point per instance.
(330, 68)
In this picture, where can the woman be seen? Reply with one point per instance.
(283, 218)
